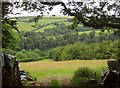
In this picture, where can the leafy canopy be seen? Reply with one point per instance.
(91, 14)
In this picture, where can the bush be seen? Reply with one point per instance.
(27, 56)
(81, 77)
(82, 82)
(83, 72)
(20, 56)
(9, 51)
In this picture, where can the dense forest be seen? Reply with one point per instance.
(60, 42)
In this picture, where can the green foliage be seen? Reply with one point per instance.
(85, 51)
(33, 56)
(27, 56)
(42, 29)
(8, 51)
(54, 83)
(75, 23)
(66, 52)
(21, 56)
(118, 52)
(10, 37)
(82, 82)
(55, 53)
(63, 43)
(37, 51)
(81, 77)
(24, 51)
(60, 36)
(83, 72)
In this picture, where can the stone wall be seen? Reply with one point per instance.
(10, 75)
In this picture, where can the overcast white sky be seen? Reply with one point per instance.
(55, 11)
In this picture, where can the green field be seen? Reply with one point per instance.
(97, 32)
(45, 28)
(44, 69)
(49, 20)
(25, 26)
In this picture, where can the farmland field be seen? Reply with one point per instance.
(27, 26)
(44, 69)
(24, 26)
(46, 27)
(48, 20)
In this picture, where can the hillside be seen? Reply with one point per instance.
(48, 22)
(27, 23)
(44, 23)
(52, 38)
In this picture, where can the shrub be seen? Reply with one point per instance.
(82, 82)
(21, 56)
(81, 77)
(83, 72)
(8, 51)
(28, 56)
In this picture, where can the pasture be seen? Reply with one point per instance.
(49, 68)
(27, 26)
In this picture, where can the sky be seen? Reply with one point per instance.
(55, 11)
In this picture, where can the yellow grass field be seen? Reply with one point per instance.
(48, 68)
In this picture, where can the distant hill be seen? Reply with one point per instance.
(49, 22)
(25, 23)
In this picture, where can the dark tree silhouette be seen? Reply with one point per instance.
(91, 14)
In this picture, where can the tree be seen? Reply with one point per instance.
(21, 56)
(91, 14)
(55, 53)
(9, 36)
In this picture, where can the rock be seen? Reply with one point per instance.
(110, 80)
(10, 72)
